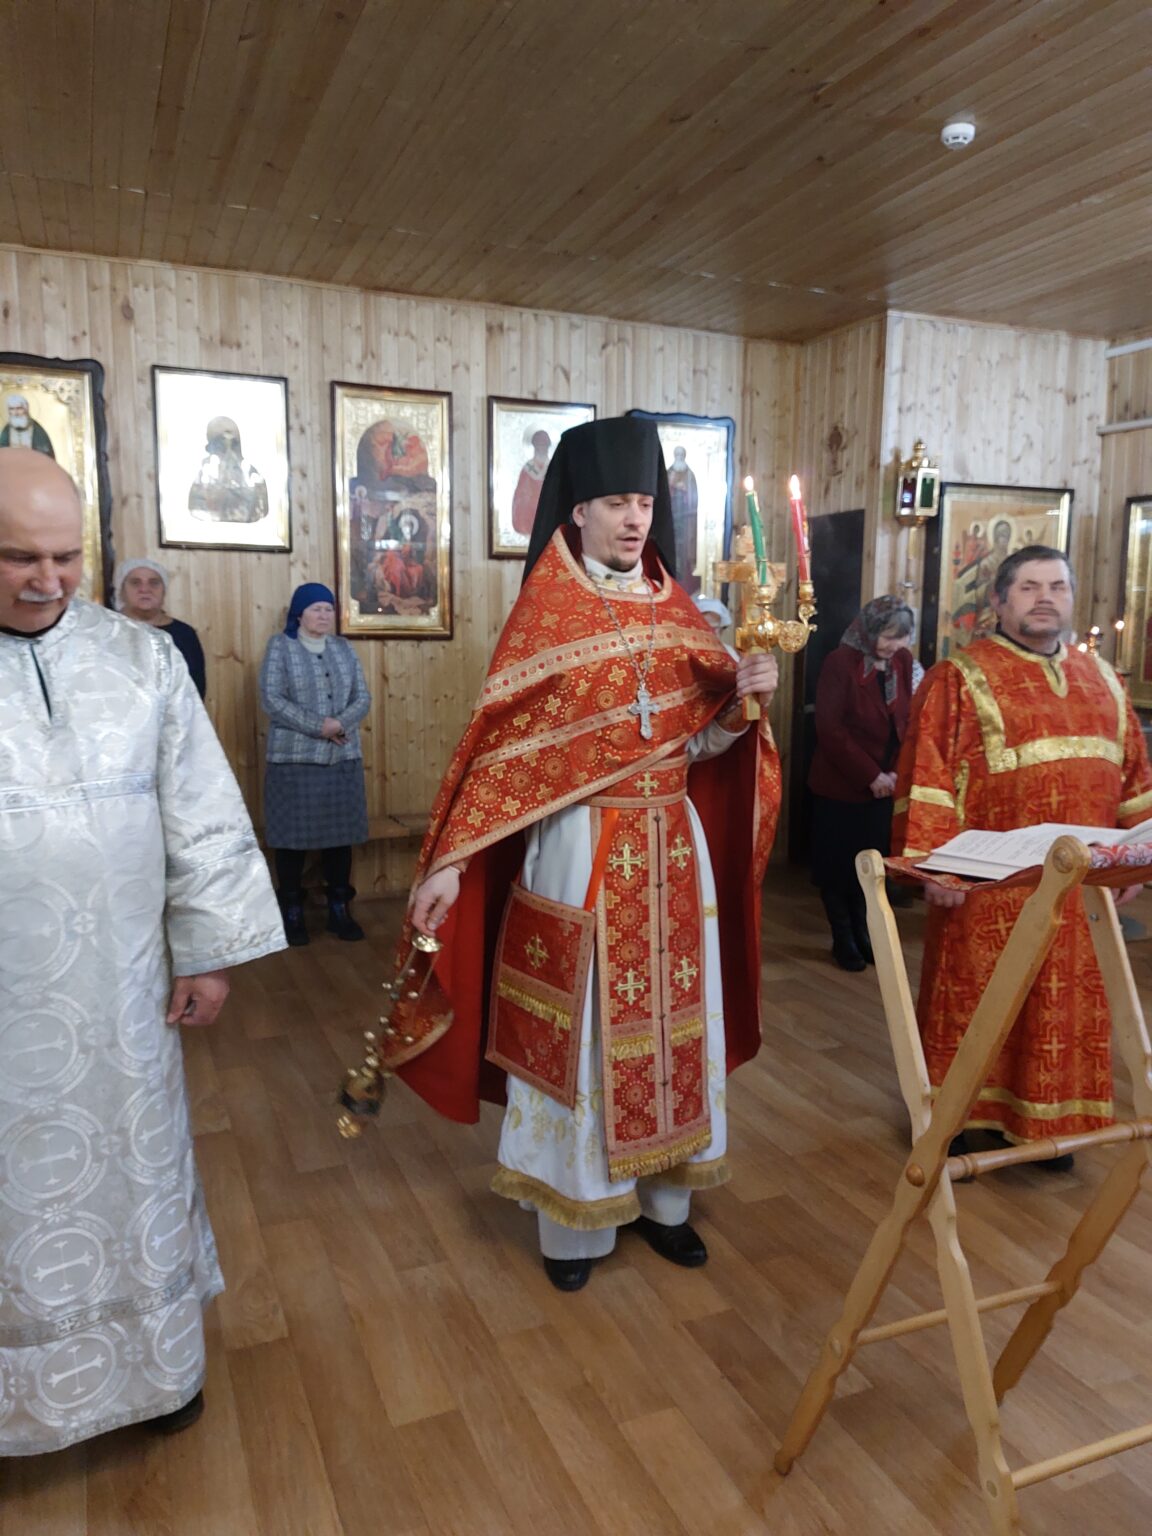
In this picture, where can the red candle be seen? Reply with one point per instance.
(800, 526)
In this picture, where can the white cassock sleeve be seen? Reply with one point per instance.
(220, 908)
(710, 742)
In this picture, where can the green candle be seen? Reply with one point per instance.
(755, 525)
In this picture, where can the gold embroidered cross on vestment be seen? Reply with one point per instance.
(630, 987)
(627, 862)
(686, 974)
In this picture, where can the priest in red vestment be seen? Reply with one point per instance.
(1015, 730)
(593, 868)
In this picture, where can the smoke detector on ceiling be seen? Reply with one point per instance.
(958, 134)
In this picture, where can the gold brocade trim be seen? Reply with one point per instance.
(711, 910)
(928, 796)
(960, 782)
(563, 735)
(1034, 1111)
(1054, 673)
(642, 1165)
(699, 1175)
(1002, 758)
(900, 806)
(1101, 1108)
(915, 853)
(637, 802)
(1056, 749)
(579, 1215)
(539, 1009)
(461, 853)
(691, 1029)
(1134, 806)
(632, 1047)
(1119, 698)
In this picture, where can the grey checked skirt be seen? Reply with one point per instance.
(313, 805)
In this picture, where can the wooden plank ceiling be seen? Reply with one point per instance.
(764, 167)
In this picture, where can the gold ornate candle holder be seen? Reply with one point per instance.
(760, 629)
(363, 1089)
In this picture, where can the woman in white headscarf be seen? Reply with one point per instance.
(141, 588)
(717, 617)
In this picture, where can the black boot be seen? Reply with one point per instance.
(858, 916)
(340, 920)
(292, 911)
(845, 951)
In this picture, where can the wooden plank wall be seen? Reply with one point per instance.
(995, 405)
(131, 315)
(1125, 470)
(841, 396)
(828, 434)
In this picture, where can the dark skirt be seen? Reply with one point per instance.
(840, 830)
(313, 805)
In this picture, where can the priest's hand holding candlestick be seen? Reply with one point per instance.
(758, 677)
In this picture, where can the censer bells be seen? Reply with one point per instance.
(363, 1089)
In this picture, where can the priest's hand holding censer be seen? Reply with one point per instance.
(761, 631)
(407, 1026)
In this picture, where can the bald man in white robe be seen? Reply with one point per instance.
(130, 881)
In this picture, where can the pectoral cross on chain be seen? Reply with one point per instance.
(644, 708)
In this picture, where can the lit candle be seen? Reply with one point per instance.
(754, 523)
(1119, 628)
(800, 525)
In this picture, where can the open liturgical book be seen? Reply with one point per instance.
(994, 855)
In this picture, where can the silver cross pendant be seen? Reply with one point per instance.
(644, 708)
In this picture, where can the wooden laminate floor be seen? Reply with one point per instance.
(389, 1359)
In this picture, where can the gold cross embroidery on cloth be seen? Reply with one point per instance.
(627, 862)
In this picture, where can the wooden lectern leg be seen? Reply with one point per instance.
(972, 1367)
(1085, 1245)
(1120, 1188)
(960, 1302)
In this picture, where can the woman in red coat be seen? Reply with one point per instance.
(862, 703)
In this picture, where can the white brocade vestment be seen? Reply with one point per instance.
(126, 856)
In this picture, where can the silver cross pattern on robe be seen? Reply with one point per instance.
(644, 708)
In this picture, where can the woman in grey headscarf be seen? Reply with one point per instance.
(141, 590)
(862, 704)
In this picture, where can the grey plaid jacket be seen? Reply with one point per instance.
(298, 689)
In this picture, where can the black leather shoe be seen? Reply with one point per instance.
(977, 1140)
(680, 1245)
(182, 1418)
(568, 1274)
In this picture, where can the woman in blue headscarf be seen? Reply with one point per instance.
(315, 695)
